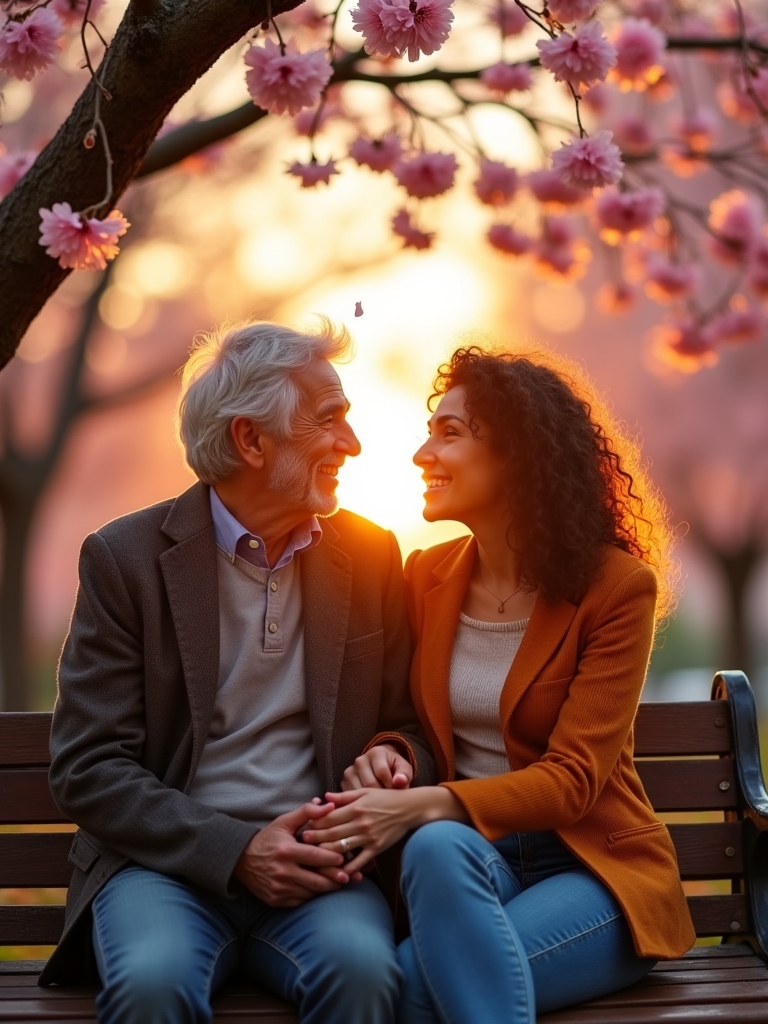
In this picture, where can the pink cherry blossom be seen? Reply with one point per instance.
(508, 17)
(286, 82)
(615, 298)
(29, 45)
(735, 219)
(736, 326)
(697, 129)
(413, 237)
(568, 11)
(13, 167)
(506, 239)
(313, 173)
(378, 154)
(549, 188)
(557, 232)
(652, 10)
(757, 278)
(71, 11)
(497, 183)
(627, 213)
(506, 78)
(639, 46)
(82, 243)
(580, 59)
(428, 174)
(685, 344)
(666, 282)
(560, 262)
(634, 134)
(396, 27)
(590, 162)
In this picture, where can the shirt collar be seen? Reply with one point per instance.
(234, 539)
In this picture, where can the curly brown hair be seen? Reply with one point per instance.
(574, 482)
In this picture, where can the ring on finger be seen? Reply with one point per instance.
(344, 845)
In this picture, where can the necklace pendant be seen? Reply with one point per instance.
(501, 608)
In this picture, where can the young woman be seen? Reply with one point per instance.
(537, 875)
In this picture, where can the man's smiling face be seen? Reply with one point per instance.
(306, 464)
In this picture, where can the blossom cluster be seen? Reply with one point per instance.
(608, 183)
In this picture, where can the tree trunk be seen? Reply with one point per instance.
(737, 568)
(154, 59)
(18, 514)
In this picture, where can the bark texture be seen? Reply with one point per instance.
(158, 53)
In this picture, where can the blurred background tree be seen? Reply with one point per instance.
(225, 232)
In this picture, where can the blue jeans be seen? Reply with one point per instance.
(501, 931)
(163, 947)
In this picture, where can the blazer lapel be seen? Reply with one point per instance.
(326, 584)
(546, 629)
(442, 605)
(191, 582)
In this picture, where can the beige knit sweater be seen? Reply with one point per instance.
(482, 655)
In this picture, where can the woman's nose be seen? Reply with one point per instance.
(423, 456)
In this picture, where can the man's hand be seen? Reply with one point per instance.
(381, 767)
(284, 872)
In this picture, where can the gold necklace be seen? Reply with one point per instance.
(496, 597)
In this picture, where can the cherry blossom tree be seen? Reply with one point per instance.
(650, 117)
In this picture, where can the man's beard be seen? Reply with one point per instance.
(296, 480)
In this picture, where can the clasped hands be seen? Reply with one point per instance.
(300, 855)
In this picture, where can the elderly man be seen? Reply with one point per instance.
(231, 653)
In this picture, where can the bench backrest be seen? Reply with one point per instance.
(699, 761)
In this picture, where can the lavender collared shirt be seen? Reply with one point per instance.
(233, 537)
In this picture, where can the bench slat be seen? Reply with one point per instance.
(686, 994)
(40, 859)
(711, 977)
(24, 738)
(689, 785)
(36, 859)
(31, 926)
(720, 915)
(711, 850)
(25, 798)
(685, 727)
(717, 1013)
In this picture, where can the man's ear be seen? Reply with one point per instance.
(249, 441)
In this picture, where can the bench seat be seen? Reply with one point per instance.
(700, 767)
(725, 983)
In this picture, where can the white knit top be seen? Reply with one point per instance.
(483, 653)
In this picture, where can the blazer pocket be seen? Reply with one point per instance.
(635, 833)
(358, 647)
(83, 854)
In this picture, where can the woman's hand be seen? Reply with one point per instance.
(381, 766)
(371, 820)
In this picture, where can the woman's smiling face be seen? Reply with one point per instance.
(463, 474)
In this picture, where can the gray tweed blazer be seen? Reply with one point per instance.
(137, 685)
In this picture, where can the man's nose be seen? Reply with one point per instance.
(347, 441)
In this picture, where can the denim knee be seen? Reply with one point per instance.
(358, 973)
(152, 988)
(438, 848)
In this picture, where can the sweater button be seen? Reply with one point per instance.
(273, 627)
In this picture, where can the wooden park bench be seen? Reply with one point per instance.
(699, 758)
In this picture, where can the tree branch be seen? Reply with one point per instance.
(153, 61)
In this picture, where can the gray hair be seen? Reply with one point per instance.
(246, 370)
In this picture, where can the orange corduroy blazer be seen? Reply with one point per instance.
(567, 712)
